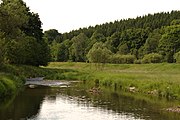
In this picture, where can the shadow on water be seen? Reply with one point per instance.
(24, 105)
(28, 104)
(148, 108)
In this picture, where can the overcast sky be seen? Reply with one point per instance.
(67, 15)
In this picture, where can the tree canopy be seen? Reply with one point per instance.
(154, 34)
(21, 36)
(22, 40)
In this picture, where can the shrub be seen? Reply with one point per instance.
(122, 59)
(99, 53)
(9, 85)
(2, 90)
(152, 58)
(139, 61)
(177, 57)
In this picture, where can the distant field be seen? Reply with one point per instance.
(157, 79)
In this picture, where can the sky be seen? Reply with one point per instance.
(67, 15)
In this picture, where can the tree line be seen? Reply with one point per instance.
(21, 36)
(152, 38)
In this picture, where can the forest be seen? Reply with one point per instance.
(21, 35)
(153, 38)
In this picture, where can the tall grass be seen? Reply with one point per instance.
(12, 77)
(161, 80)
(9, 84)
(154, 79)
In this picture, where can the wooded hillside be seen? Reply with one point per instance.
(147, 39)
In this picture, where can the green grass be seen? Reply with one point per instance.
(155, 79)
(12, 77)
(9, 84)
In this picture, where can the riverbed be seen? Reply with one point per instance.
(72, 101)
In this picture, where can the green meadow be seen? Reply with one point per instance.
(162, 80)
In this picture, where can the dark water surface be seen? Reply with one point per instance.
(76, 103)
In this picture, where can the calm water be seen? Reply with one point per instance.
(75, 103)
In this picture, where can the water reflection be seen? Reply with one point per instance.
(25, 105)
(75, 103)
(65, 108)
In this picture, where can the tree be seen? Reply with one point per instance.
(122, 59)
(123, 49)
(63, 53)
(99, 53)
(134, 39)
(52, 35)
(25, 50)
(13, 15)
(43, 55)
(152, 42)
(20, 27)
(175, 22)
(109, 45)
(96, 37)
(60, 51)
(115, 40)
(152, 58)
(78, 48)
(33, 27)
(54, 50)
(169, 44)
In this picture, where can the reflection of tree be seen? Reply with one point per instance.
(25, 105)
(138, 106)
(4, 103)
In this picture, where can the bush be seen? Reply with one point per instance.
(2, 90)
(99, 53)
(152, 58)
(177, 57)
(7, 86)
(139, 61)
(122, 59)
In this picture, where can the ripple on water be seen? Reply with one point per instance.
(50, 83)
(65, 109)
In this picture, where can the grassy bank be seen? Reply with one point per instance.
(12, 77)
(150, 79)
(9, 84)
(161, 80)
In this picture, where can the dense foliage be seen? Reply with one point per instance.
(21, 36)
(156, 34)
(22, 40)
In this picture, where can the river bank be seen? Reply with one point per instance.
(59, 102)
(161, 80)
(13, 77)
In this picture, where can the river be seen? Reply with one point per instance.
(75, 102)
